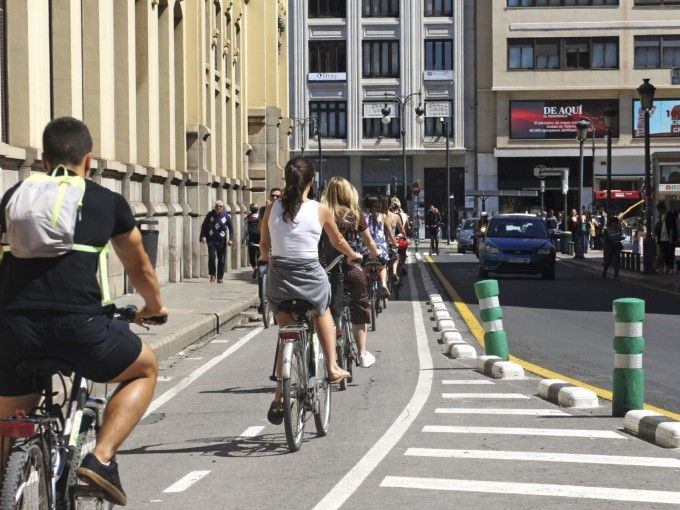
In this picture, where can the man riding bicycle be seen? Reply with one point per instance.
(51, 307)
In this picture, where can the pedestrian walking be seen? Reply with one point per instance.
(253, 236)
(218, 232)
(433, 221)
(613, 245)
(666, 232)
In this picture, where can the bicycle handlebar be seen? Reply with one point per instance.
(129, 314)
(335, 262)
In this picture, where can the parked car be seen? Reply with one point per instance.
(517, 243)
(464, 234)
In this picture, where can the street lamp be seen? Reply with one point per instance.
(301, 122)
(445, 125)
(581, 135)
(646, 91)
(610, 116)
(403, 102)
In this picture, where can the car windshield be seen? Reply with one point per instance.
(469, 224)
(528, 228)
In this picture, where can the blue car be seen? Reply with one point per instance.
(517, 244)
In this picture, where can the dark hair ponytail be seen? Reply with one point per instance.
(298, 174)
(372, 206)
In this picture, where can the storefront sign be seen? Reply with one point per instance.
(669, 188)
(616, 194)
(555, 119)
(664, 118)
(327, 77)
(675, 76)
(437, 75)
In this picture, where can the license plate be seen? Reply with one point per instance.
(519, 260)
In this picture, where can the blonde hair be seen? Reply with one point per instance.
(343, 199)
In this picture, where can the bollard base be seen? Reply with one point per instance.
(628, 390)
(496, 344)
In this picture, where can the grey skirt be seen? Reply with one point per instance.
(294, 278)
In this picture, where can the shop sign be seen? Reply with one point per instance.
(555, 119)
(664, 119)
(617, 194)
(374, 110)
(675, 76)
(327, 77)
(437, 109)
(669, 188)
(438, 75)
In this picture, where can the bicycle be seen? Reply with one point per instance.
(265, 308)
(47, 446)
(373, 268)
(347, 353)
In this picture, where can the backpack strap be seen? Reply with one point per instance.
(4, 249)
(103, 251)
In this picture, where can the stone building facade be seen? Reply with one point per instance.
(164, 86)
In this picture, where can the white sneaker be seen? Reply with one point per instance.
(366, 359)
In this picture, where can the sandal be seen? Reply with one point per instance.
(275, 414)
(343, 375)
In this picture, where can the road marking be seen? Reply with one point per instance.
(516, 412)
(219, 342)
(489, 396)
(355, 477)
(251, 432)
(618, 460)
(533, 489)
(466, 381)
(516, 431)
(478, 332)
(186, 481)
(175, 390)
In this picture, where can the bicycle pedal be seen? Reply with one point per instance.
(88, 492)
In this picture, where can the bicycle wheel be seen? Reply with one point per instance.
(372, 298)
(267, 314)
(340, 354)
(348, 355)
(294, 387)
(25, 484)
(322, 413)
(82, 496)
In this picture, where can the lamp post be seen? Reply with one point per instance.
(317, 133)
(403, 102)
(445, 124)
(302, 122)
(646, 91)
(581, 135)
(610, 116)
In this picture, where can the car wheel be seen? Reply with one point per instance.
(549, 274)
(461, 250)
(483, 273)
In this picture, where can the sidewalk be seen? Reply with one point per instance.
(593, 262)
(197, 308)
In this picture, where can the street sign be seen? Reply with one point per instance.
(327, 77)
(565, 182)
(542, 171)
(675, 76)
(437, 109)
(438, 75)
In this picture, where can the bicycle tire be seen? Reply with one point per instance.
(322, 413)
(347, 351)
(293, 398)
(266, 309)
(86, 442)
(373, 308)
(340, 358)
(25, 458)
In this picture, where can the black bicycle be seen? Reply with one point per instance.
(372, 269)
(48, 446)
(265, 307)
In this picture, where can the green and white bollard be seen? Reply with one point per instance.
(629, 377)
(491, 315)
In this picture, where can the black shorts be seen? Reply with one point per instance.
(97, 347)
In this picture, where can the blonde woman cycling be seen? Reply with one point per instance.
(291, 229)
(343, 200)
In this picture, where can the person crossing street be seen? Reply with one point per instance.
(433, 221)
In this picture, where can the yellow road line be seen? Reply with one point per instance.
(478, 332)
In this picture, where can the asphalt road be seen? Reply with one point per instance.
(566, 325)
(404, 435)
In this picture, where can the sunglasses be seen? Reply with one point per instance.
(274, 196)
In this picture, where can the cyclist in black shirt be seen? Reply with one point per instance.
(51, 308)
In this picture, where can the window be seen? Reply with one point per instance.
(327, 8)
(381, 59)
(373, 128)
(438, 7)
(657, 52)
(381, 9)
(567, 53)
(657, 2)
(435, 127)
(561, 3)
(327, 57)
(332, 118)
(439, 55)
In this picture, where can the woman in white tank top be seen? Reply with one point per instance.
(291, 229)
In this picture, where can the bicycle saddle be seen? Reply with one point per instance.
(42, 367)
(297, 307)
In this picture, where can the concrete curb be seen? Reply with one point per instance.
(441, 314)
(446, 325)
(204, 325)
(564, 394)
(498, 368)
(451, 337)
(653, 427)
(461, 351)
(434, 298)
